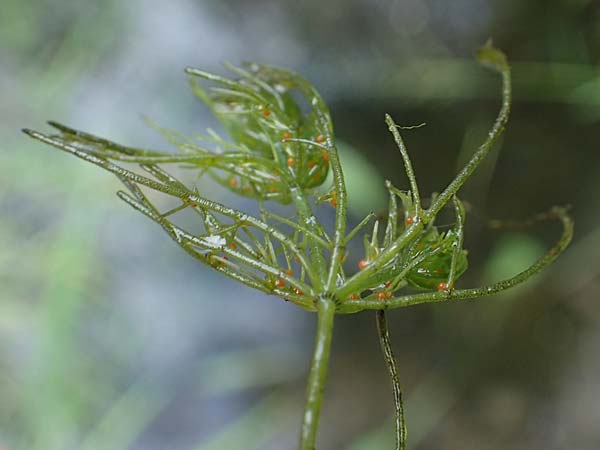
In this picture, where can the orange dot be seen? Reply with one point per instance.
(291, 162)
(320, 139)
(409, 220)
(387, 284)
(266, 112)
(218, 260)
(286, 135)
(333, 202)
(442, 286)
(233, 182)
(362, 264)
(298, 291)
(311, 164)
(232, 245)
(280, 283)
(381, 295)
(325, 156)
(290, 272)
(273, 189)
(354, 296)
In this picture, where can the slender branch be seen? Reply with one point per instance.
(234, 85)
(459, 211)
(390, 361)
(414, 188)
(363, 223)
(496, 60)
(300, 228)
(391, 230)
(306, 218)
(200, 160)
(340, 215)
(318, 373)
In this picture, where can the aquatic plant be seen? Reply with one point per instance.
(281, 150)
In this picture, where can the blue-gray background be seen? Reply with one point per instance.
(112, 338)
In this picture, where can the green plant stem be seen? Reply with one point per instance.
(340, 215)
(414, 188)
(318, 373)
(500, 65)
(390, 361)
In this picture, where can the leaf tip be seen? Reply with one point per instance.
(491, 57)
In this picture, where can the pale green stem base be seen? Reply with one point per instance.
(318, 373)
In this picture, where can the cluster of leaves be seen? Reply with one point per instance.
(281, 149)
(262, 116)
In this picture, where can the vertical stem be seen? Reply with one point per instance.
(386, 347)
(318, 373)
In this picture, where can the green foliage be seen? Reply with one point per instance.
(262, 116)
(437, 251)
(281, 149)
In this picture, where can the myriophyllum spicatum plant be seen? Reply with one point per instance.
(281, 150)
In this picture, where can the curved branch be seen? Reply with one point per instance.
(354, 306)
(495, 60)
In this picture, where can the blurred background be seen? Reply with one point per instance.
(112, 338)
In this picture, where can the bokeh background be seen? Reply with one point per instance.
(112, 338)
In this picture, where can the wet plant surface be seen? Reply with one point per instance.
(281, 151)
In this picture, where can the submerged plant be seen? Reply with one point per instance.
(281, 150)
